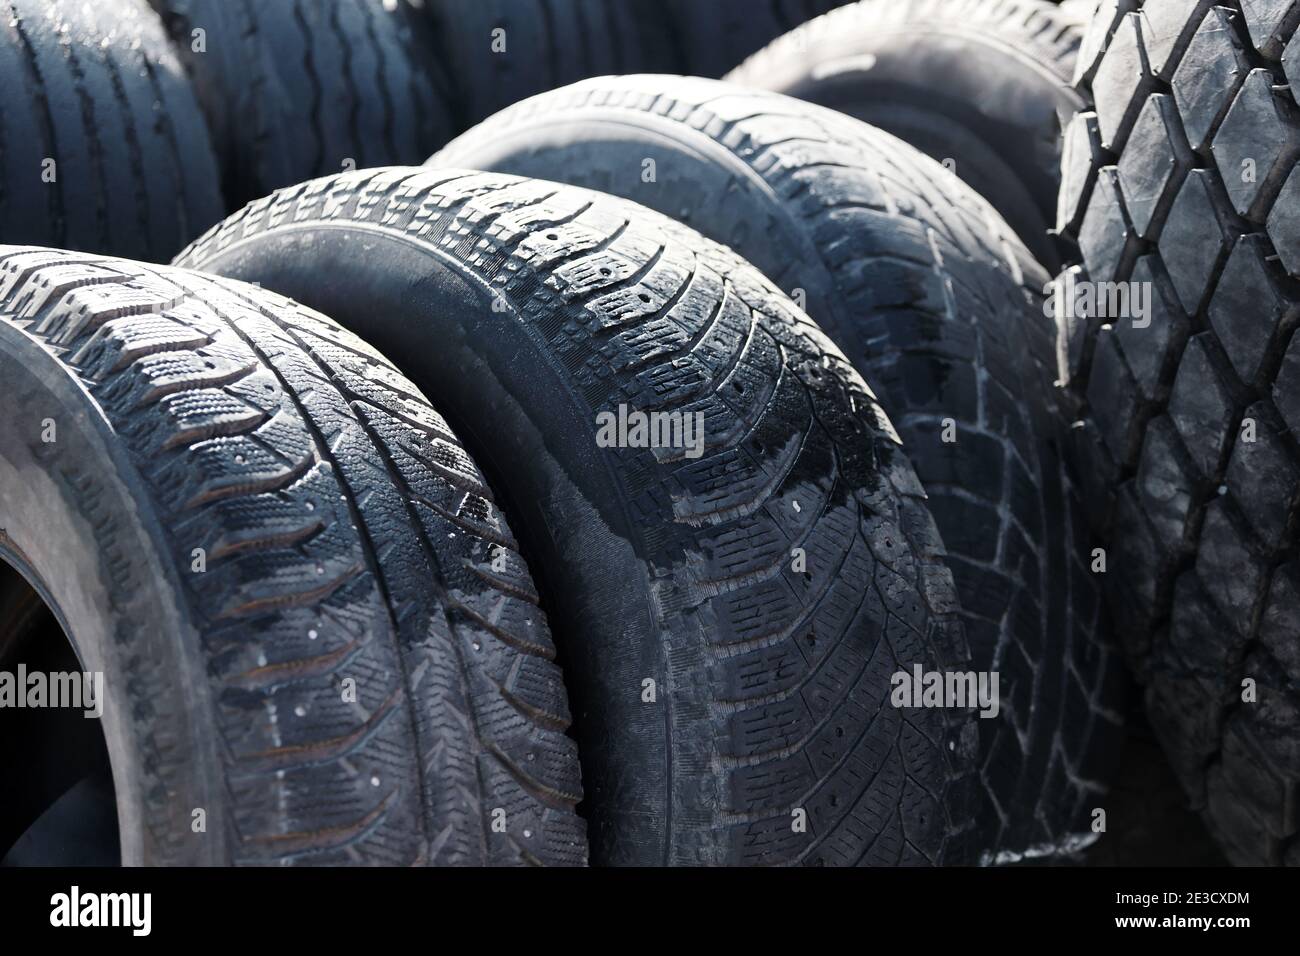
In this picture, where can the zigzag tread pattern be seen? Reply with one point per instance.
(345, 536)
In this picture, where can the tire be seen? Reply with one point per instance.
(501, 51)
(1186, 99)
(293, 90)
(933, 300)
(721, 685)
(104, 150)
(241, 509)
(718, 35)
(982, 85)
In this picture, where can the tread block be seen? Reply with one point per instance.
(1264, 19)
(1262, 477)
(1153, 164)
(1212, 68)
(1256, 145)
(1248, 310)
(1121, 83)
(1283, 223)
(1105, 228)
(1193, 242)
(1165, 489)
(1081, 155)
(1201, 406)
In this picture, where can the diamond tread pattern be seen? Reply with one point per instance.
(1183, 175)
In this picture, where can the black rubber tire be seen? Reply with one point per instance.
(294, 89)
(937, 304)
(716, 35)
(1201, 519)
(500, 51)
(528, 308)
(95, 88)
(982, 85)
(345, 535)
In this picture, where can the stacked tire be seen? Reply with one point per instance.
(1180, 182)
(722, 417)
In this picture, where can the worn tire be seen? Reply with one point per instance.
(345, 535)
(547, 43)
(1188, 96)
(95, 88)
(935, 302)
(717, 35)
(982, 85)
(528, 308)
(294, 89)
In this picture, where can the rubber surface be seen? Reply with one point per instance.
(313, 621)
(981, 85)
(299, 88)
(103, 146)
(729, 618)
(931, 297)
(716, 35)
(1182, 178)
(500, 51)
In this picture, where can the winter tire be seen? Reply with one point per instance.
(729, 609)
(313, 623)
(981, 85)
(937, 304)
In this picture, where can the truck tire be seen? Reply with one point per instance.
(718, 35)
(103, 147)
(312, 620)
(1181, 179)
(936, 303)
(501, 51)
(294, 89)
(730, 606)
(981, 85)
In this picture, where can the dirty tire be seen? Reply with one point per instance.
(721, 685)
(716, 35)
(104, 149)
(293, 90)
(982, 85)
(500, 51)
(1182, 177)
(312, 619)
(937, 304)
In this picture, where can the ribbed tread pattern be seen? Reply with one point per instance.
(500, 51)
(102, 148)
(717, 35)
(299, 88)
